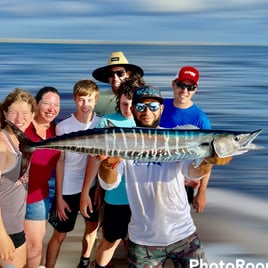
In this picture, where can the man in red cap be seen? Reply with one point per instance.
(181, 110)
(188, 73)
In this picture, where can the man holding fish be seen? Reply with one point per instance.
(161, 225)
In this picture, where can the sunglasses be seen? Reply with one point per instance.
(118, 73)
(141, 106)
(183, 86)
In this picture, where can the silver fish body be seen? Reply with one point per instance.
(147, 144)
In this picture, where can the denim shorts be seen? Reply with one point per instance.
(38, 211)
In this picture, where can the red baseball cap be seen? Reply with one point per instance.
(188, 73)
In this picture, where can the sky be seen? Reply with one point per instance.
(186, 21)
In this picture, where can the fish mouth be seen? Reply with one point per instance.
(246, 142)
(251, 137)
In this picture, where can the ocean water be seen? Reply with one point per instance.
(233, 88)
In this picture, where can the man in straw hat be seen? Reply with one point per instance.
(114, 73)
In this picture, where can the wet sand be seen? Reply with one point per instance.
(233, 227)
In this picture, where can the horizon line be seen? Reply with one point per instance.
(81, 41)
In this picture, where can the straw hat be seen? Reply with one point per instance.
(115, 59)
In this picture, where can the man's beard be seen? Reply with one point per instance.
(154, 124)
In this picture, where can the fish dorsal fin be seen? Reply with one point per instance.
(110, 123)
(188, 126)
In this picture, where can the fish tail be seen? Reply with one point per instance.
(24, 142)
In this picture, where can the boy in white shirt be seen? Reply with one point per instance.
(69, 178)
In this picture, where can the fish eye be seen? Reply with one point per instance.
(237, 138)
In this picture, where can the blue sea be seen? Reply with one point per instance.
(233, 88)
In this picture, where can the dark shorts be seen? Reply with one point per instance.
(180, 253)
(73, 202)
(18, 239)
(115, 221)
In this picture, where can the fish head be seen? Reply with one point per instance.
(230, 144)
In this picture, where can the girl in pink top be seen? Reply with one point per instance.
(43, 163)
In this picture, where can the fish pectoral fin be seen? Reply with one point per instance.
(197, 162)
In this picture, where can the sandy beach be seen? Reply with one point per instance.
(233, 227)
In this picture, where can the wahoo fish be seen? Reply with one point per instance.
(147, 144)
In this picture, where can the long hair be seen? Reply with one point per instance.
(17, 94)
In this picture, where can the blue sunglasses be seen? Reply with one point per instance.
(141, 106)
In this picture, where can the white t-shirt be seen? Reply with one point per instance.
(158, 201)
(74, 163)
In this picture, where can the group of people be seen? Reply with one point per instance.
(146, 205)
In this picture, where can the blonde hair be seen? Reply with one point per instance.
(85, 87)
(17, 94)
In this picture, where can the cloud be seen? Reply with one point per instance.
(140, 20)
(33, 8)
(175, 6)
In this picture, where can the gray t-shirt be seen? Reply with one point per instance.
(13, 196)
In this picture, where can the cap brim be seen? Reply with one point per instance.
(194, 82)
(101, 74)
(160, 99)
